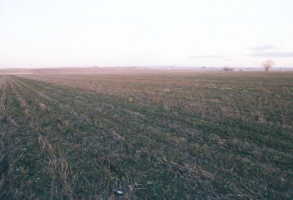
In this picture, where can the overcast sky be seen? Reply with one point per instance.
(145, 32)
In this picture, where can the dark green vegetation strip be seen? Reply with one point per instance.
(62, 143)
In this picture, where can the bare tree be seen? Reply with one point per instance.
(268, 64)
(228, 69)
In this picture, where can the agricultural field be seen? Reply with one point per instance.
(154, 135)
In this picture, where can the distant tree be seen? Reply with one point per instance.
(268, 64)
(228, 69)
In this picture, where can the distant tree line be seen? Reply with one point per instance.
(228, 69)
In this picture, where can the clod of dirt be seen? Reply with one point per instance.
(130, 99)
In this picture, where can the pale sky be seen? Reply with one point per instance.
(36, 33)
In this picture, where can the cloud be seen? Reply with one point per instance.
(274, 54)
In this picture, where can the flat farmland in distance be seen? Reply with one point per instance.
(155, 135)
